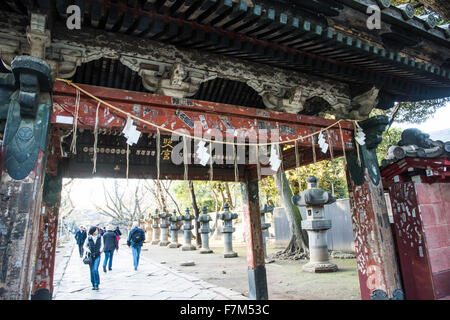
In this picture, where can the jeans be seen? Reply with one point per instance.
(108, 255)
(136, 253)
(81, 249)
(95, 276)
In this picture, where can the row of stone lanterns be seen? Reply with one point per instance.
(314, 199)
(165, 223)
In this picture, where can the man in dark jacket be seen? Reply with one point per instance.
(109, 245)
(136, 238)
(118, 234)
(80, 237)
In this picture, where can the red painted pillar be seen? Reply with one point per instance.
(379, 275)
(257, 278)
(45, 256)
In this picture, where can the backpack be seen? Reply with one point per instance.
(137, 236)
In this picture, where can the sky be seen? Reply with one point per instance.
(440, 121)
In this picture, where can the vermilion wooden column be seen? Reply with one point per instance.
(378, 270)
(257, 278)
(48, 227)
(45, 257)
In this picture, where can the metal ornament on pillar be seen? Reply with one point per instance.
(187, 227)
(27, 124)
(227, 231)
(314, 200)
(204, 230)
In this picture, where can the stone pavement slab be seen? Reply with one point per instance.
(152, 281)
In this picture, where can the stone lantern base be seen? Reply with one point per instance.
(319, 267)
(189, 247)
(204, 250)
(230, 255)
(155, 242)
(163, 243)
(174, 245)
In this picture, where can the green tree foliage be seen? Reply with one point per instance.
(211, 194)
(390, 137)
(420, 111)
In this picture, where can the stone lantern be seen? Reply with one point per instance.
(314, 200)
(155, 231)
(187, 227)
(173, 228)
(227, 231)
(164, 228)
(204, 220)
(265, 226)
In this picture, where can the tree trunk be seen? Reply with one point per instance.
(299, 239)
(162, 198)
(229, 197)
(196, 213)
(214, 235)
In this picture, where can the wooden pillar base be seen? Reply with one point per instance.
(257, 282)
(257, 279)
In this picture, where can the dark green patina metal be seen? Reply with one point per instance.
(7, 88)
(52, 188)
(373, 128)
(28, 118)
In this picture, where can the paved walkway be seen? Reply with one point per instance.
(151, 281)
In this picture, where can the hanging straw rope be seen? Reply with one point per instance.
(158, 153)
(330, 146)
(342, 143)
(211, 161)
(313, 148)
(128, 159)
(73, 145)
(185, 156)
(94, 169)
(297, 166)
(281, 168)
(357, 144)
(236, 169)
(258, 164)
(187, 135)
(158, 127)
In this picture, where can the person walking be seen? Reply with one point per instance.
(109, 245)
(136, 238)
(118, 234)
(80, 237)
(94, 246)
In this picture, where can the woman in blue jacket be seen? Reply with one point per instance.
(94, 246)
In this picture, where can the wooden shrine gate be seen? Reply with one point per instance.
(31, 193)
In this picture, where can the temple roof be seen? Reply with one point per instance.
(408, 58)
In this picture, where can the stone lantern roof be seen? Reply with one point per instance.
(313, 196)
